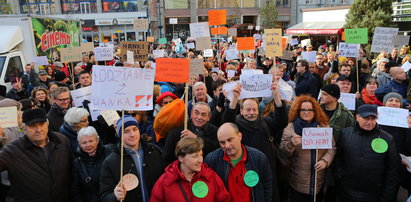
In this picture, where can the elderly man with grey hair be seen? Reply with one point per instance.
(75, 119)
(199, 95)
(380, 68)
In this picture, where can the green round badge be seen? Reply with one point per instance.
(379, 145)
(251, 178)
(200, 189)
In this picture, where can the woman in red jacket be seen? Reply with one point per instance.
(188, 178)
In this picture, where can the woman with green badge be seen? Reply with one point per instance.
(188, 178)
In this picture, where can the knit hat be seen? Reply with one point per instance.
(163, 95)
(42, 72)
(332, 89)
(392, 95)
(6, 102)
(34, 116)
(59, 76)
(128, 121)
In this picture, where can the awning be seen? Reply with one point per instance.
(316, 28)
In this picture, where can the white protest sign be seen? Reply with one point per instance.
(382, 39)
(390, 116)
(305, 42)
(317, 138)
(257, 28)
(103, 53)
(81, 94)
(407, 160)
(200, 29)
(208, 53)
(121, 88)
(228, 87)
(173, 21)
(406, 66)
(251, 71)
(349, 50)
(190, 45)
(400, 40)
(8, 117)
(215, 69)
(130, 57)
(40, 60)
(286, 91)
(110, 116)
(309, 55)
(257, 85)
(158, 53)
(348, 99)
(250, 27)
(231, 54)
(230, 73)
(294, 41)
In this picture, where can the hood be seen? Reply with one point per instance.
(173, 173)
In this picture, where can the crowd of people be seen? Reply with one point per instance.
(231, 149)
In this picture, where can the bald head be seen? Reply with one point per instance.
(398, 74)
(229, 138)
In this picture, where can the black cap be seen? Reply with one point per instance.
(367, 110)
(332, 89)
(344, 77)
(34, 116)
(59, 76)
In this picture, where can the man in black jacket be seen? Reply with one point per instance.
(39, 162)
(367, 163)
(61, 103)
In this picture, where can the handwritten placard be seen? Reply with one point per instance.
(158, 53)
(81, 94)
(150, 39)
(232, 31)
(172, 70)
(245, 43)
(356, 36)
(305, 42)
(317, 138)
(130, 57)
(257, 85)
(162, 41)
(190, 45)
(140, 24)
(119, 88)
(230, 73)
(103, 53)
(309, 55)
(390, 116)
(348, 99)
(87, 47)
(200, 29)
(231, 54)
(217, 17)
(8, 117)
(349, 50)
(273, 40)
(257, 28)
(71, 54)
(196, 66)
(208, 53)
(203, 43)
(251, 71)
(40, 60)
(139, 48)
(110, 116)
(406, 66)
(287, 55)
(382, 39)
(400, 40)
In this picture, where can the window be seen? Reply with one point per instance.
(229, 3)
(78, 6)
(124, 5)
(177, 4)
(14, 68)
(205, 4)
(38, 7)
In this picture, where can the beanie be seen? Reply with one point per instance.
(332, 89)
(128, 121)
(392, 95)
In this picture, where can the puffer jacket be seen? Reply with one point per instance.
(302, 161)
(167, 187)
(362, 174)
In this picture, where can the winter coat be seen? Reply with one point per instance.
(69, 131)
(341, 118)
(56, 118)
(306, 84)
(13, 94)
(383, 78)
(33, 177)
(167, 187)
(256, 161)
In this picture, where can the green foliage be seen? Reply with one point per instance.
(370, 14)
(268, 16)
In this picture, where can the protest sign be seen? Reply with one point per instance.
(356, 36)
(257, 28)
(294, 41)
(87, 47)
(382, 39)
(305, 42)
(348, 99)
(257, 85)
(158, 53)
(103, 53)
(196, 66)
(81, 94)
(390, 116)
(139, 48)
(110, 116)
(407, 160)
(40, 60)
(317, 138)
(130, 57)
(251, 71)
(119, 88)
(190, 45)
(228, 87)
(71, 54)
(215, 69)
(217, 17)
(150, 39)
(231, 54)
(232, 31)
(219, 30)
(245, 43)
(140, 24)
(230, 73)
(406, 66)
(172, 70)
(200, 29)
(309, 55)
(8, 117)
(162, 41)
(173, 21)
(400, 40)
(261, 51)
(250, 27)
(273, 42)
(208, 53)
(287, 55)
(203, 43)
(349, 50)
(286, 91)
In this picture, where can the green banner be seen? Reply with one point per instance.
(51, 34)
(356, 36)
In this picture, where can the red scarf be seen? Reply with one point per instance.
(370, 99)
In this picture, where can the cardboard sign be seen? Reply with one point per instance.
(217, 17)
(200, 29)
(208, 53)
(190, 45)
(245, 43)
(232, 31)
(150, 39)
(119, 88)
(356, 36)
(257, 85)
(196, 66)
(231, 54)
(172, 70)
(261, 51)
(203, 43)
(8, 117)
(287, 55)
(382, 39)
(87, 47)
(273, 42)
(158, 53)
(130, 57)
(110, 116)
(309, 55)
(162, 41)
(348, 99)
(400, 40)
(219, 30)
(103, 53)
(139, 48)
(173, 21)
(72, 54)
(390, 116)
(349, 50)
(317, 138)
(140, 24)
(40, 60)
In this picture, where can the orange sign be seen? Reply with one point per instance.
(245, 43)
(172, 70)
(150, 39)
(217, 17)
(284, 43)
(219, 30)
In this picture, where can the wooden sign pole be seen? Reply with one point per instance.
(122, 148)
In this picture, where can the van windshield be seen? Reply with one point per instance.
(2, 60)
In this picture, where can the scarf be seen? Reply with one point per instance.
(249, 126)
(59, 109)
(370, 99)
(299, 124)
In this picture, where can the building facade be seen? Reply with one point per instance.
(297, 13)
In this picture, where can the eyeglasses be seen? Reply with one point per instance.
(64, 99)
(307, 110)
